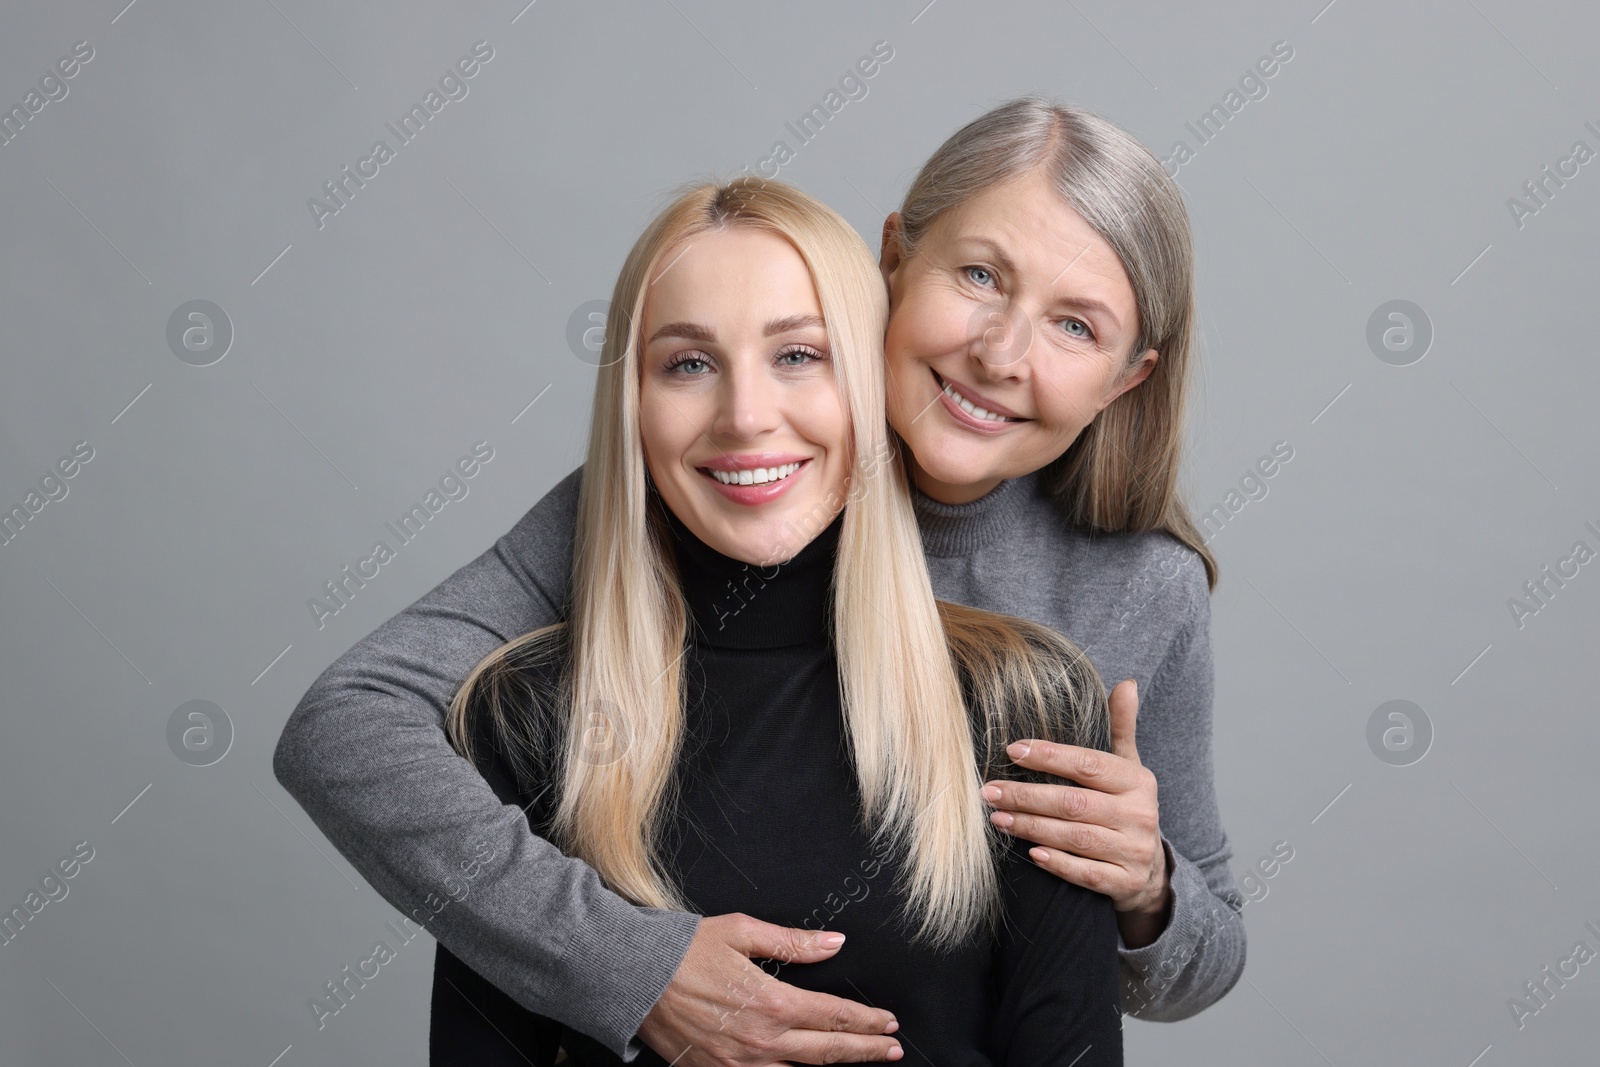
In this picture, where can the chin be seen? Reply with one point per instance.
(955, 461)
(758, 542)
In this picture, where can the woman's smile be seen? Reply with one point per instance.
(973, 410)
(754, 478)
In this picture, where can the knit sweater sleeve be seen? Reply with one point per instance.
(1200, 955)
(366, 755)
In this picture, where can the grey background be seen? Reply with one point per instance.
(432, 310)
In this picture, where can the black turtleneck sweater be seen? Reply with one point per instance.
(766, 824)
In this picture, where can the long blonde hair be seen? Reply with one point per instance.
(1121, 473)
(910, 668)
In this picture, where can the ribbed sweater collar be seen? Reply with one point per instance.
(733, 604)
(959, 529)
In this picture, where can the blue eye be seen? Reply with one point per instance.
(689, 364)
(1084, 328)
(971, 271)
(810, 356)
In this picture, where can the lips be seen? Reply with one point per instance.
(755, 478)
(972, 409)
(755, 475)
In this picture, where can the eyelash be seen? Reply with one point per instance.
(1088, 336)
(695, 357)
(683, 357)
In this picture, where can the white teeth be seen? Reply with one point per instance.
(970, 408)
(756, 476)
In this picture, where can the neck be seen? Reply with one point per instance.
(733, 604)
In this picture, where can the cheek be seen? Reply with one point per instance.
(820, 417)
(926, 325)
(1068, 388)
(662, 432)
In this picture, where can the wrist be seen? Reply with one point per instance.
(1147, 916)
(1141, 926)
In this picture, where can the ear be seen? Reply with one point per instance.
(1139, 373)
(889, 258)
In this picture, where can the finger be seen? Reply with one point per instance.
(816, 1011)
(1055, 801)
(822, 1030)
(826, 1013)
(1081, 839)
(1091, 874)
(1088, 767)
(786, 944)
(810, 1046)
(1124, 701)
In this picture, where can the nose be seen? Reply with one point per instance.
(747, 402)
(1001, 341)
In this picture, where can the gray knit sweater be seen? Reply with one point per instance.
(366, 755)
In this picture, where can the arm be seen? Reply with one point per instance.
(1200, 954)
(365, 754)
(1056, 972)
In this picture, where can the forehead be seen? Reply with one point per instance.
(1044, 239)
(730, 275)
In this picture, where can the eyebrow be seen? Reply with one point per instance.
(693, 331)
(1006, 264)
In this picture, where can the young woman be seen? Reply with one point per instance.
(1040, 270)
(757, 706)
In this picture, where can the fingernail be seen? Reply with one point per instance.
(832, 939)
(896, 1052)
(1001, 818)
(1018, 749)
(894, 1024)
(991, 793)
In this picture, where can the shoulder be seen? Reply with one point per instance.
(1020, 678)
(1149, 580)
(1172, 572)
(539, 546)
(555, 513)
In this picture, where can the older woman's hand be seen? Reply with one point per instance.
(1103, 834)
(721, 1010)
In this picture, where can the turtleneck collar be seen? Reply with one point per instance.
(959, 529)
(733, 604)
